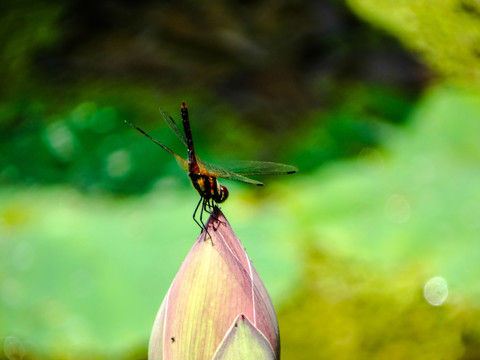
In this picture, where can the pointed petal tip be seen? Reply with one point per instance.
(244, 341)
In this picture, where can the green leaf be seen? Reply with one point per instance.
(444, 33)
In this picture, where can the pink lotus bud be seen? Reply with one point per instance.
(217, 305)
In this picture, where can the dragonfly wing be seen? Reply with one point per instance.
(241, 178)
(236, 177)
(220, 172)
(259, 168)
(173, 125)
(180, 161)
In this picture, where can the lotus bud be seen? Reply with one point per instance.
(217, 306)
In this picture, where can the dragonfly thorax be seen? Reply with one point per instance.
(208, 187)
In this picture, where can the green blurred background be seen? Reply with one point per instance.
(376, 102)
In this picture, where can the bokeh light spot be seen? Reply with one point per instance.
(397, 209)
(435, 291)
(119, 163)
(13, 348)
(60, 140)
(82, 114)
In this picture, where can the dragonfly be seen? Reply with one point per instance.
(203, 175)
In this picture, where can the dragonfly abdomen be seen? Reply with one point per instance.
(192, 160)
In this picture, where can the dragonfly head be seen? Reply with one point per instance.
(222, 195)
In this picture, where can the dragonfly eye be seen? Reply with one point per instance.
(223, 195)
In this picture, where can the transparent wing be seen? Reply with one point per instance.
(259, 168)
(220, 172)
(180, 161)
(173, 125)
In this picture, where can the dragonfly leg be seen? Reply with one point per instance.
(202, 226)
(214, 213)
(205, 206)
(201, 213)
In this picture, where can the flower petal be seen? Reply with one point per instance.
(155, 347)
(244, 341)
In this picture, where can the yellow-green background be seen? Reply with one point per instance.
(376, 102)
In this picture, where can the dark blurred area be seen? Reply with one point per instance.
(268, 60)
(268, 70)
